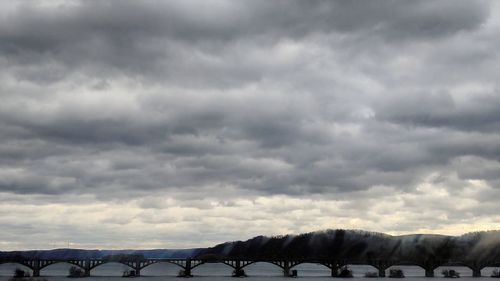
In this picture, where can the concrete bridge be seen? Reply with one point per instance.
(188, 264)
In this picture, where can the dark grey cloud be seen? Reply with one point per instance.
(439, 110)
(154, 39)
(135, 113)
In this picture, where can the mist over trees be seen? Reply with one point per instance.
(362, 245)
(337, 244)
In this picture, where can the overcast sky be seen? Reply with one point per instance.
(169, 124)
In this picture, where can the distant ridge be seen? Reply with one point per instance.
(326, 244)
(97, 254)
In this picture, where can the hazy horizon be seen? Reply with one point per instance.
(184, 123)
(248, 238)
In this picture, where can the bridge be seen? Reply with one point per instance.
(188, 264)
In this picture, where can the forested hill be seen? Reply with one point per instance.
(362, 245)
(329, 244)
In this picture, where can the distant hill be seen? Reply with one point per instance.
(329, 244)
(97, 254)
(362, 245)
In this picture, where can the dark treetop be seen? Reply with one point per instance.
(362, 245)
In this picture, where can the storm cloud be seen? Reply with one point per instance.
(240, 118)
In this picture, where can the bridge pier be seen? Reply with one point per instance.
(36, 272)
(334, 270)
(476, 272)
(36, 268)
(86, 268)
(381, 272)
(186, 271)
(137, 268)
(286, 269)
(238, 270)
(429, 272)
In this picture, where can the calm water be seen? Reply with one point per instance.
(214, 272)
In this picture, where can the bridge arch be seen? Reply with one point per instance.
(59, 268)
(408, 263)
(28, 266)
(280, 264)
(312, 269)
(72, 263)
(179, 264)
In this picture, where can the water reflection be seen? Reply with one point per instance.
(161, 269)
(408, 270)
(263, 269)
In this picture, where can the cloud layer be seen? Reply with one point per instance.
(219, 120)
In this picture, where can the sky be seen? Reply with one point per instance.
(176, 124)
